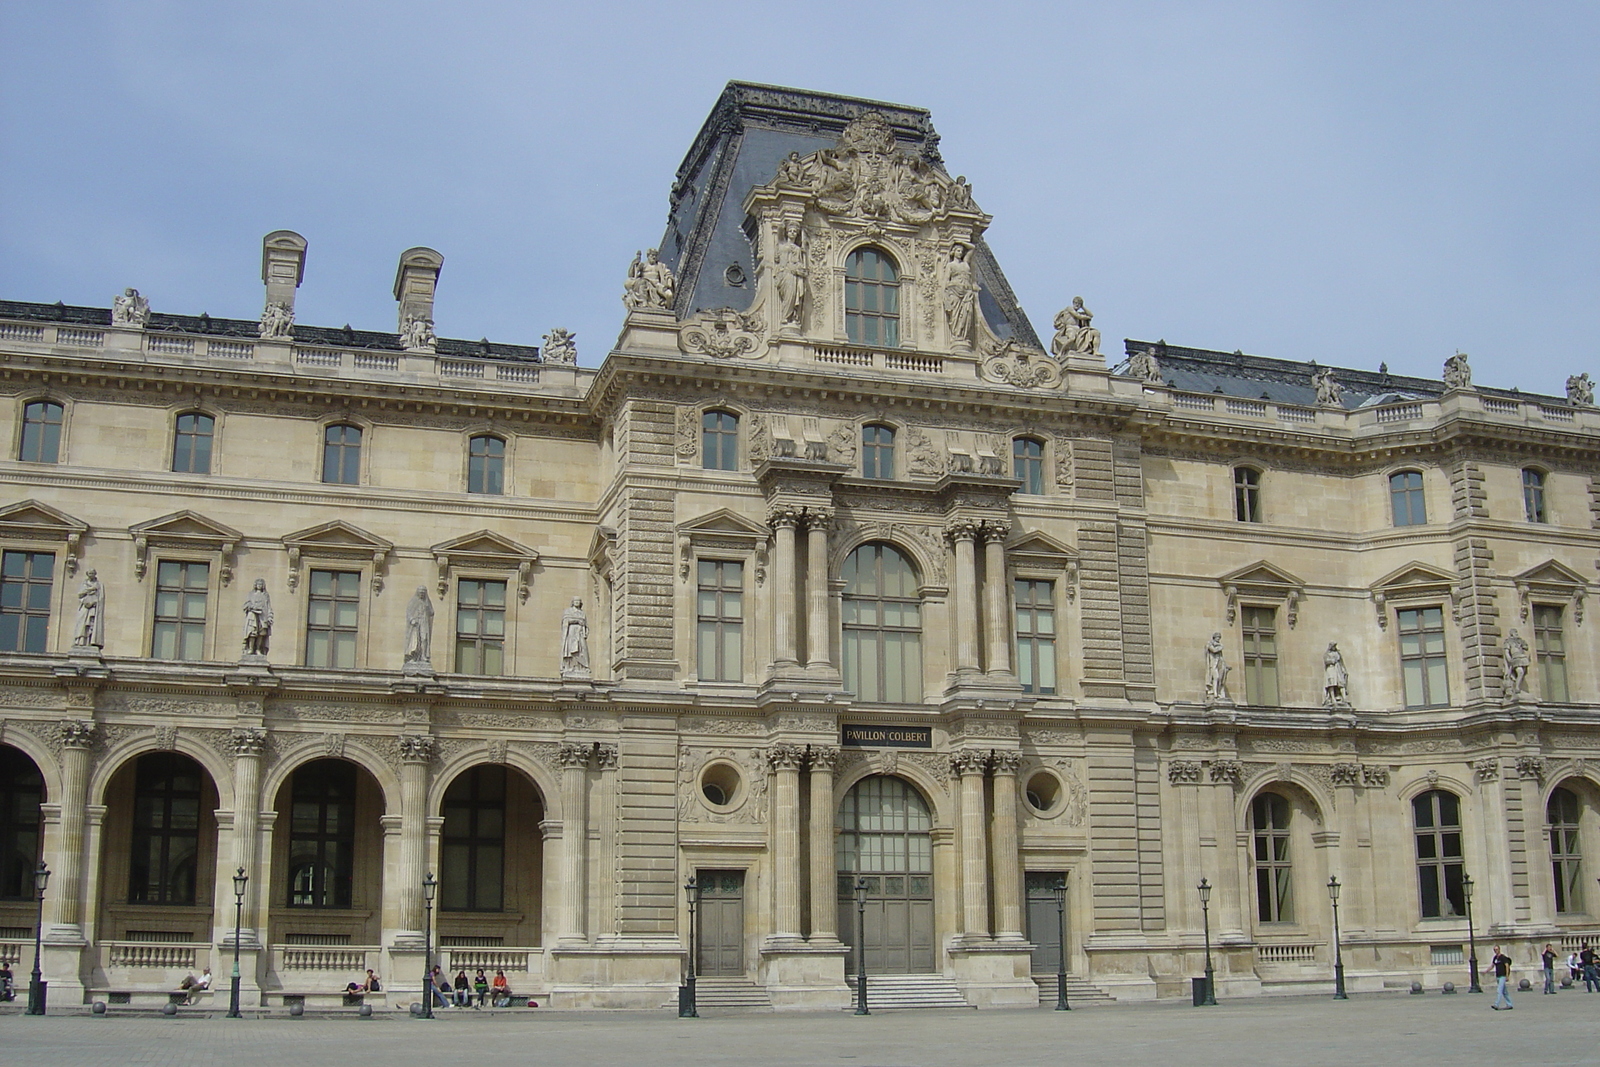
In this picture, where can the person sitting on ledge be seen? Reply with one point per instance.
(501, 990)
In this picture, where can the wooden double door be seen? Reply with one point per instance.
(720, 952)
(885, 838)
(1044, 921)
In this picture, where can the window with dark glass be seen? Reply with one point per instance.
(472, 845)
(719, 620)
(21, 793)
(1566, 854)
(41, 432)
(341, 455)
(1533, 495)
(1036, 635)
(480, 626)
(1247, 494)
(191, 444)
(877, 452)
(882, 622)
(486, 465)
(1550, 650)
(1269, 826)
(719, 441)
(1405, 497)
(180, 622)
(1027, 464)
(871, 298)
(322, 834)
(333, 605)
(1259, 627)
(1422, 658)
(166, 829)
(25, 582)
(1436, 818)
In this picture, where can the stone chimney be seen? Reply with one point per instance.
(414, 283)
(283, 265)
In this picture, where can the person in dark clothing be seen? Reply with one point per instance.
(1502, 975)
(1548, 958)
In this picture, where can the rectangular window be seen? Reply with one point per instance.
(1247, 494)
(1260, 626)
(1533, 495)
(877, 452)
(25, 581)
(480, 627)
(1036, 635)
(331, 613)
(341, 455)
(719, 620)
(1027, 465)
(41, 432)
(180, 623)
(166, 830)
(1550, 648)
(486, 465)
(1422, 660)
(191, 445)
(1406, 499)
(719, 441)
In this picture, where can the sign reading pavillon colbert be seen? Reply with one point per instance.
(869, 736)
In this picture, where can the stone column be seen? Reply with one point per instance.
(969, 764)
(783, 521)
(962, 533)
(416, 751)
(824, 891)
(786, 760)
(247, 743)
(817, 629)
(574, 760)
(77, 738)
(995, 613)
(1007, 864)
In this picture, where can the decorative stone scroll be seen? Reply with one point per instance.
(723, 334)
(1010, 362)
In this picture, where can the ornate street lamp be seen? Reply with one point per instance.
(240, 880)
(1338, 957)
(430, 886)
(861, 946)
(1061, 938)
(1210, 998)
(36, 986)
(1472, 938)
(686, 1005)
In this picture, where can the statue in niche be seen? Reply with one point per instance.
(277, 321)
(89, 625)
(419, 632)
(560, 346)
(1329, 392)
(575, 641)
(1515, 657)
(960, 294)
(790, 276)
(257, 620)
(1144, 366)
(1580, 390)
(1074, 334)
(650, 283)
(417, 335)
(1216, 672)
(1457, 372)
(130, 309)
(1335, 679)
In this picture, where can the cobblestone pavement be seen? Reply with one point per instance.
(1390, 1030)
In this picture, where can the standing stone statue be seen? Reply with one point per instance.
(1329, 392)
(1074, 334)
(129, 309)
(1335, 679)
(650, 283)
(1216, 672)
(1144, 366)
(1515, 656)
(575, 641)
(789, 275)
(419, 633)
(1580, 390)
(1457, 372)
(257, 621)
(89, 626)
(960, 295)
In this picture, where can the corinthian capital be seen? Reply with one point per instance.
(961, 530)
(247, 741)
(1007, 762)
(969, 761)
(824, 758)
(993, 529)
(574, 756)
(783, 515)
(785, 756)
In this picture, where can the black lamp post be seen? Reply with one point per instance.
(430, 886)
(1061, 938)
(36, 986)
(240, 880)
(1210, 998)
(686, 1005)
(1338, 957)
(861, 946)
(1472, 938)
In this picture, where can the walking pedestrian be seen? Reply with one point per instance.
(1548, 958)
(1502, 974)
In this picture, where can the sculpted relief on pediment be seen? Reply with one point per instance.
(867, 175)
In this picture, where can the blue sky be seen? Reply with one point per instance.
(1348, 182)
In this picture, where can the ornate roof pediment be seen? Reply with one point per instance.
(1414, 581)
(185, 529)
(1550, 580)
(485, 548)
(31, 520)
(1263, 581)
(337, 539)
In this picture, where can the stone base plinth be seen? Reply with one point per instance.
(995, 974)
(616, 973)
(804, 976)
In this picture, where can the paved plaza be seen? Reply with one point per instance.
(1388, 1029)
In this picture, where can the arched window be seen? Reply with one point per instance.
(1027, 464)
(41, 432)
(871, 298)
(472, 846)
(322, 835)
(1533, 495)
(21, 793)
(1247, 494)
(882, 622)
(166, 829)
(1436, 820)
(1269, 826)
(486, 465)
(191, 444)
(885, 836)
(1566, 855)
(341, 454)
(877, 452)
(719, 441)
(1405, 496)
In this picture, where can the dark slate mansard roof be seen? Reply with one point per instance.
(750, 131)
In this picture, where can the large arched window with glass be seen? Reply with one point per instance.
(885, 837)
(21, 794)
(166, 829)
(882, 622)
(1269, 829)
(322, 835)
(1563, 813)
(871, 298)
(41, 432)
(1436, 823)
(472, 845)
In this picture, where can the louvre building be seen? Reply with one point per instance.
(833, 574)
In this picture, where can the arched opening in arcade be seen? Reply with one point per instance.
(22, 796)
(491, 870)
(886, 837)
(326, 883)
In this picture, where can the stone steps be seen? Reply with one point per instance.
(1080, 993)
(729, 993)
(909, 991)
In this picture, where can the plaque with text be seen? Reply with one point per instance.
(862, 736)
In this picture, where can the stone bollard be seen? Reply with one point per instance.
(365, 1011)
(1524, 985)
(169, 1008)
(1416, 987)
(296, 1010)
(99, 1007)
(1449, 987)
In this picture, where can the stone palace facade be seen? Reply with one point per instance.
(831, 570)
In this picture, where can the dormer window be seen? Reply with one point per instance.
(871, 298)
